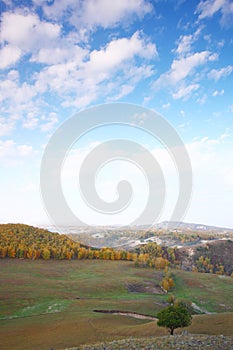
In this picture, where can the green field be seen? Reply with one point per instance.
(49, 304)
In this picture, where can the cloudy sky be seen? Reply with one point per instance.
(60, 57)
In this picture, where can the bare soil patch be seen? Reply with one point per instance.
(146, 287)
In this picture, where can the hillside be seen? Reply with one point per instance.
(180, 342)
(24, 241)
(49, 304)
(216, 256)
(180, 234)
(29, 242)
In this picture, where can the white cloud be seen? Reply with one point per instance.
(6, 126)
(93, 13)
(12, 90)
(23, 33)
(185, 91)
(107, 13)
(124, 91)
(9, 55)
(182, 69)
(117, 52)
(185, 43)
(59, 54)
(166, 105)
(31, 121)
(217, 74)
(218, 92)
(24, 150)
(202, 100)
(27, 31)
(13, 154)
(114, 65)
(208, 8)
(49, 122)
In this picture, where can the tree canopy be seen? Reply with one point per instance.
(174, 316)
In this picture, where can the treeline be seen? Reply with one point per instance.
(203, 264)
(28, 242)
(215, 257)
(154, 255)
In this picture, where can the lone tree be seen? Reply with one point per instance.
(174, 316)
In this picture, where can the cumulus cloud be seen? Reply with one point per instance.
(11, 153)
(105, 13)
(181, 78)
(95, 13)
(185, 91)
(83, 79)
(9, 55)
(185, 43)
(218, 92)
(24, 33)
(209, 8)
(27, 31)
(181, 69)
(12, 90)
(61, 53)
(118, 51)
(217, 74)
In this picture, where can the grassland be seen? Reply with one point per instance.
(49, 304)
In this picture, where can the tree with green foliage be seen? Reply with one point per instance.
(174, 316)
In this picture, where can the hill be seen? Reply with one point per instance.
(180, 342)
(29, 242)
(178, 225)
(47, 304)
(178, 234)
(24, 241)
(211, 257)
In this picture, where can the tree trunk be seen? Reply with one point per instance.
(171, 331)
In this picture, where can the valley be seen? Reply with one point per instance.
(49, 304)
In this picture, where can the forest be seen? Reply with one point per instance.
(28, 242)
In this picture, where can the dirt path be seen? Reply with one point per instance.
(127, 313)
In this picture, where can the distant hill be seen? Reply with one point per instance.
(165, 233)
(177, 225)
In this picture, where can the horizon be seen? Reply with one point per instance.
(120, 227)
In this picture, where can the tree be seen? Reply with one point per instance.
(174, 316)
(45, 254)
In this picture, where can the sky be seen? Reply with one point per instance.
(60, 57)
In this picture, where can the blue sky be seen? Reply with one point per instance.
(59, 57)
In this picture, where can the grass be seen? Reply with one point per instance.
(49, 304)
(212, 292)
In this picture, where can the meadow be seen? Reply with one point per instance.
(49, 304)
